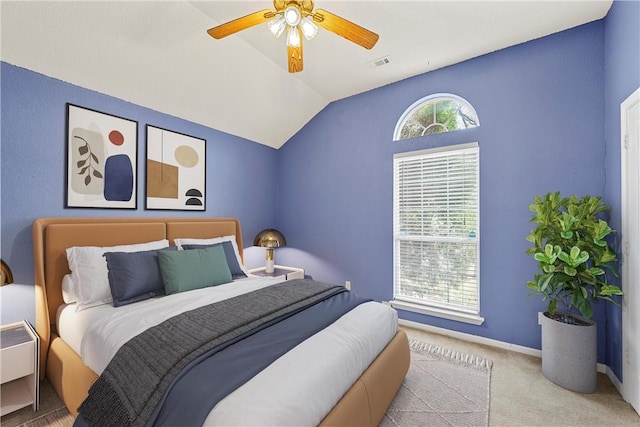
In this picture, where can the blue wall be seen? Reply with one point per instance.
(540, 106)
(34, 158)
(622, 78)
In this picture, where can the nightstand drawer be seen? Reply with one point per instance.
(17, 361)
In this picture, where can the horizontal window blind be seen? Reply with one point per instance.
(436, 227)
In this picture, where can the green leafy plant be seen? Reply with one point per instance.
(572, 253)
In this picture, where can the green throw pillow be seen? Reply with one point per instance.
(193, 269)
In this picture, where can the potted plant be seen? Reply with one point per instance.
(575, 264)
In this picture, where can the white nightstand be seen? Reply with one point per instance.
(19, 367)
(287, 273)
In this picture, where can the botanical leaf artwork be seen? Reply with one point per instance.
(87, 153)
(101, 159)
(87, 165)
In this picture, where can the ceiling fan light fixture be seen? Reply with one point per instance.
(293, 37)
(299, 19)
(309, 29)
(277, 25)
(292, 15)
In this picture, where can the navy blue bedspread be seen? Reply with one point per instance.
(201, 386)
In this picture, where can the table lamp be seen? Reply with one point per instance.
(5, 274)
(270, 238)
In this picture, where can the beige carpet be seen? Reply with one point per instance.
(443, 388)
(58, 418)
(521, 396)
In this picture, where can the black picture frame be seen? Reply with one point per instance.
(176, 171)
(101, 160)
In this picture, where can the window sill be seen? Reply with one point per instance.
(444, 313)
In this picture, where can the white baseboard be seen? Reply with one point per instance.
(471, 338)
(614, 379)
(602, 368)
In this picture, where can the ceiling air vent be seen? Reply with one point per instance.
(380, 62)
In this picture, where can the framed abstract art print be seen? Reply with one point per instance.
(176, 170)
(101, 160)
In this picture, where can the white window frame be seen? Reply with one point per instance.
(424, 306)
(431, 99)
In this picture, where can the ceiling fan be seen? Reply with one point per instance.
(299, 19)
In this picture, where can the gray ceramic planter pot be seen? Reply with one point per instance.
(570, 354)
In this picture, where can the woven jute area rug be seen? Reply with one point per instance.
(442, 388)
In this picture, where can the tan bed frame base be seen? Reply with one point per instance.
(363, 405)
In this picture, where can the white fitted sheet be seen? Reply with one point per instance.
(98, 332)
(299, 388)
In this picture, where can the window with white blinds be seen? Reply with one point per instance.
(436, 230)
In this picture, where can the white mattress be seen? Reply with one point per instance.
(300, 388)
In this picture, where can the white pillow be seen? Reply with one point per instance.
(89, 271)
(68, 291)
(213, 241)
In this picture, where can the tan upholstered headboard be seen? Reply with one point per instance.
(52, 236)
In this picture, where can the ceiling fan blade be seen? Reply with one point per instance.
(240, 24)
(345, 28)
(294, 56)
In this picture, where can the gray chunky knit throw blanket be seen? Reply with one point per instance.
(140, 373)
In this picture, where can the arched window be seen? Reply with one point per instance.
(436, 213)
(437, 113)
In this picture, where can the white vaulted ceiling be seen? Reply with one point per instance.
(158, 54)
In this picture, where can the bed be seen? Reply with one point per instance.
(363, 402)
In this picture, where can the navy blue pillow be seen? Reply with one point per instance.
(229, 253)
(134, 276)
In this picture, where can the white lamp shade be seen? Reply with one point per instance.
(277, 25)
(293, 37)
(309, 29)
